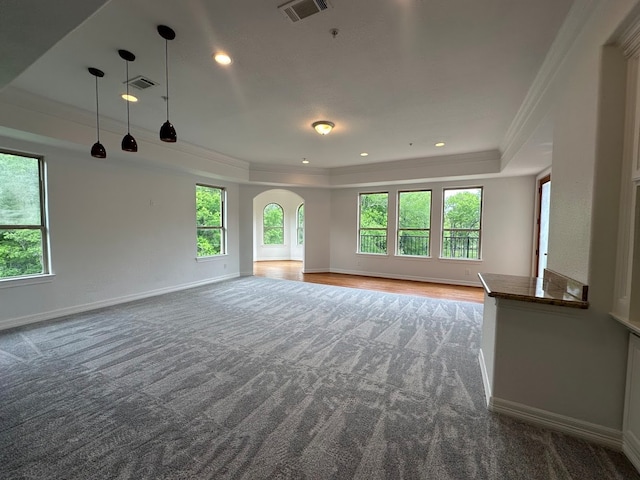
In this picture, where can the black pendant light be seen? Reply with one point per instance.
(167, 132)
(129, 143)
(97, 150)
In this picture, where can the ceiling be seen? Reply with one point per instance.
(399, 76)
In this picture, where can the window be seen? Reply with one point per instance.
(372, 233)
(210, 221)
(300, 224)
(462, 212)
(273, 225)
(23, 231)
(414, 223)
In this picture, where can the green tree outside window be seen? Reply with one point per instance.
(210, 221)
(461, 223)
(414, 223)
(372, 235)
(300, 224)
(22, 225)
(273, 224)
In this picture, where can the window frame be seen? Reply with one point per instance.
(300, 225)
(223, 219)
(42, 227)
(361, 229)
(281, 228)
(478, 230)
(399, 230)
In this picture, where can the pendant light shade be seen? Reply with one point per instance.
(129, 143)
(97, 150)
(167, 131)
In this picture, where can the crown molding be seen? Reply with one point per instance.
(33, 118)
(524, 122)
(628, 35)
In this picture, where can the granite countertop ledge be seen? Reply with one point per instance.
(552, 289)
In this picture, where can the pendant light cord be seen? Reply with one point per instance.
(127, 79)
(97, 111)
(166, 70)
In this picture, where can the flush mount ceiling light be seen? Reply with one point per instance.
(222, 58)
(323, 127)
(97, 150)
(129, 143)
(167, 132)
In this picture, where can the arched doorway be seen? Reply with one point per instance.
(278, 226)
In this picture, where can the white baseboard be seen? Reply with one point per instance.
(631, 448)
(413, 278)
(52, 314)
(485, 378)
(605, 436)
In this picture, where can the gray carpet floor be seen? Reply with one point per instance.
(256, 378)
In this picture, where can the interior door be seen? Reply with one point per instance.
(544, 198)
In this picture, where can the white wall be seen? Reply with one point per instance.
(118, 230)
(508, 206)
(289, 202)
(584, 97)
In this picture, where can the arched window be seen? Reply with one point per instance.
(300, 224)
(273, 224)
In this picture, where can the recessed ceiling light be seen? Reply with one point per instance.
(440, 144)
(129, 98)
(364, 154)
(304, 160)
(222, 58)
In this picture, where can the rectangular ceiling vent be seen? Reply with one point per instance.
(297, 10)
(141, 82)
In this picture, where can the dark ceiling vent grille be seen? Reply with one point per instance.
(297, 10)
(141, 82)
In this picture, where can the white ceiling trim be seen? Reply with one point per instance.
(536, 104)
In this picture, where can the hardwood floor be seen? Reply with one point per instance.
(292, 270)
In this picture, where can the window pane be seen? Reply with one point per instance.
(414, 210)
(273, 216)
(273, 236)
(373, 210)
(413, 242)
(301, 224)
(462, 208)
(208, 206)
(461, 244)
(373, 241)
(209, 242)
(19, 190)
(21, 252)
(462, 213)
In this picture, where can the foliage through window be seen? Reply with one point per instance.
(210, 221)
(461, 223)
(372, 232)
(273, 225)
(23, 233)
(414, 223)
(300, 224)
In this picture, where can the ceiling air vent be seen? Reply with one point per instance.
(141, 82)
(299, 9)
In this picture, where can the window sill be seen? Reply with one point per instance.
(456, 260)
(211, 258)
(24, 281)
(373, 254)
(413, 257)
